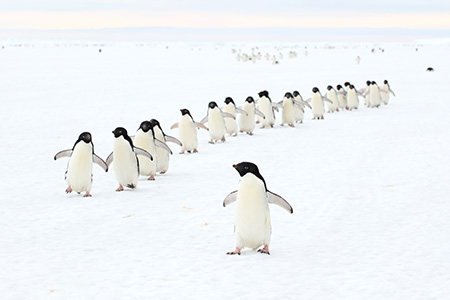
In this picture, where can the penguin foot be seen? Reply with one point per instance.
(163, 172)
(321, 117)
(119, 189)
(250, 133)
(195, 150)
(264, 250)
(151, 178)
(241, 131)
(131, 186)
(68, 190)
(234, 134)
(182, 152)
(223, 139)
(236, 251)
(291, 125)
(257, 122)
(87, 195)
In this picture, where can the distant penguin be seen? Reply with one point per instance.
(216, 123)
(230, 123)
(124, 155)
(252, 226)
(299, 111)
(162, 155)
(247, 121)
(366, 93)
(333, 96)
(352, 98)
(79, 169)
(187, 131)
(317, 104)
(430, 69)
(387, 90)
(342, 100)
(266, 107)
(374, 97)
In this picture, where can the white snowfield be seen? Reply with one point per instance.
(370, 188)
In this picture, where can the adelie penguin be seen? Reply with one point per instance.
(79, 168)
(387, 90)
(162, 155)
(317, 105)
(126, 163)
(216, 123)
(299, 111)
(247, 121)
(265, 105)
(289, 105)
(230, 123)
(188, 132)
(252, 227)
(333, 96)
(145, 139)
(342, 97)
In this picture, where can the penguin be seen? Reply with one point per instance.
(79, 169)
(299, 112)
(333, 96)
(162, 155)
(366, 93)
(187, 131)
(266, 107)
(230, 123)
(317, 103)
(374, 97)
(216, 123)
(289, 105)
(252, 226)
(247, 122)
(352, 98)
(145, 139)
(342, 100)
(387, 90)
(126, 163)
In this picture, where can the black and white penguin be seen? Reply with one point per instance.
(126, 163)
(79, 169)
(162, 155)
(187, 131)
(247, 121)
(252, 227)
(216, 122)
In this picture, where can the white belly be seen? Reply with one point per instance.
(317, 106)
(162, 156)
(145, 141)
(79, 169)
(287, 116)
(216, 124)
(266, 108)
(352, 99)
(342, 101)
(385, 96)
(252, 216)
(333, 97)
(230, 123)
(375, 99)
(125, 164)
(187, 133)
(247, 122)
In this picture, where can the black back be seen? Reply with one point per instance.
(247, 167)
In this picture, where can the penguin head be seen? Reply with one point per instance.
(296, 93)
(374, 83)
(85, 137)
(263, 93)
(385, 81)
(184, 112)
(339, 87)
(351, 86)
(250, 100)
(315, 90)
(146, 126)
(368, 82)
(329, 87)
(120, 131)
(346, 83)
(288, 95)
(155, 123)
(245, 167)
(229, 100)
(212, 104)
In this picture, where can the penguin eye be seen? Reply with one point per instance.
(246, 168)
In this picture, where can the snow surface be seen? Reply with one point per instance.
(369, 187)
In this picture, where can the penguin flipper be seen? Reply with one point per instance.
(278, 200)
(277, 104)
(307, 104)
(109, 159)
(163, 145)
(241, 111)
(174, 126)
(259, 113)
(96, 159)
(228, 115)
(64, 153)
(204, 120)
(326, 99)
(308, 100)
(200, 125)
(298, 105)
(173, 140)
(142, 152)
(230, 198)
(392, 92)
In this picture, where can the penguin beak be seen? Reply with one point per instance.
(234, 166)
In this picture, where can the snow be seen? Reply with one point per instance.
(369, 187)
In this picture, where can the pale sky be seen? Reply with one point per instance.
(97, 14)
